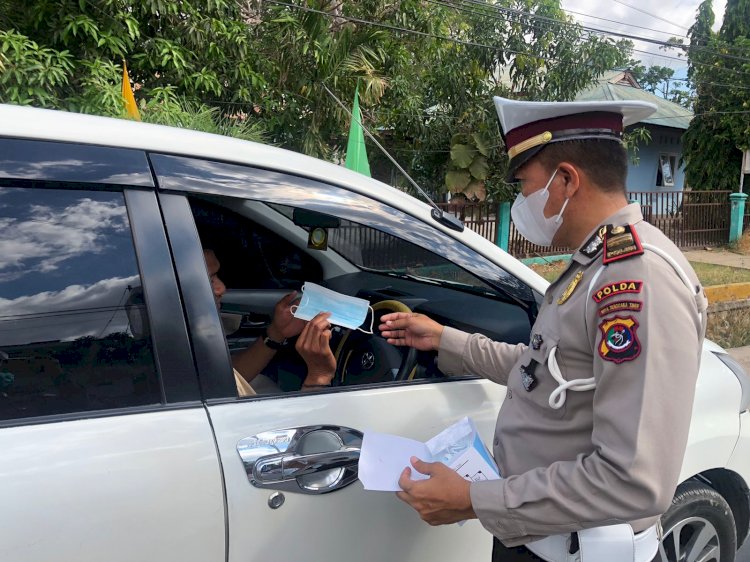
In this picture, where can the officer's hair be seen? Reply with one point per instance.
(605, 162)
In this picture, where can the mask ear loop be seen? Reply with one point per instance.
(558, 218)
(549, 181)
(372, 322)
(294, 307)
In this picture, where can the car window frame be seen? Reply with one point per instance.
(179, 177)
(174, 367)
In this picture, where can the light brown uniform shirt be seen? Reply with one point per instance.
(608, 455)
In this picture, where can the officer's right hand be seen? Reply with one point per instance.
(412, 329)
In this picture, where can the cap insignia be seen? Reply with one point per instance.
(531, 142)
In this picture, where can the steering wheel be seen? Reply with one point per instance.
(368, 358)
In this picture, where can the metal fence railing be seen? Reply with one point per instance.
(479, 217)
(691, 219)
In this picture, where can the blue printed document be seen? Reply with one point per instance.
(383, 457)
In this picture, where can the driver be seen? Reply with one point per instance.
(313, 343)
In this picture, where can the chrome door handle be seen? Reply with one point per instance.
(277, 468)
(308, 460)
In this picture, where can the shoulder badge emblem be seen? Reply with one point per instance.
(619, 340)
(592, 246)
(570, 288)
(617, 288)
(621, 242)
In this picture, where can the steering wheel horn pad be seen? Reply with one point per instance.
(368, 358)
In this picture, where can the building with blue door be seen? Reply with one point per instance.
(659, 167)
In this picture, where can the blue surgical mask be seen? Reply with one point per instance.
(346, 311)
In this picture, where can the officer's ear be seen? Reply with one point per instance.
(571, 177)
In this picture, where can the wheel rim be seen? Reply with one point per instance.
(693, 539)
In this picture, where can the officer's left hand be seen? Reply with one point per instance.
(442, 499)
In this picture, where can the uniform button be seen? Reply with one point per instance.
(510, 394)
(496, 441)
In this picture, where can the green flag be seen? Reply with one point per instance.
(356, 153)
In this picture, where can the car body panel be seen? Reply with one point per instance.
(739, 462)
(121, 488)
(715, 424)
(350, 523)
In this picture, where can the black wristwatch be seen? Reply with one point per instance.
(272, 344)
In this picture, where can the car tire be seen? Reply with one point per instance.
(699, 525)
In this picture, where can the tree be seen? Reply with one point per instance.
(260, 69)
(719, 71)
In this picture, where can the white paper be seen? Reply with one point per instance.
(383, 457)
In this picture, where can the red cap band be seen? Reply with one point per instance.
(596, 120)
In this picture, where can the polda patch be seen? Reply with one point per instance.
(617, 288)
(621, 306)
(619, 339)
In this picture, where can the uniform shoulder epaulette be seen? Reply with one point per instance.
(621, 242)
(593, 245)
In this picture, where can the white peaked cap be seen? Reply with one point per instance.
(529, 126)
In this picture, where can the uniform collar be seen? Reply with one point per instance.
(592, 246)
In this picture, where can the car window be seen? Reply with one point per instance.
(252, 256)
(74, 330)
(374, 250)
(264, 250)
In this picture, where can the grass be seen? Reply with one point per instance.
(730, 328)
(708, 274)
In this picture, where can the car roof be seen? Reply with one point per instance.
(53, 125)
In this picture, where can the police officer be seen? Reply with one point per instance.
(591, 435)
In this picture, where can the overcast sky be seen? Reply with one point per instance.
(663, 19)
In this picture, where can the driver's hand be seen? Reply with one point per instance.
(284, 325)
(412, 329)
(314, 346)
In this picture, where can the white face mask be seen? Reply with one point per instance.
(529, 220)
(346, 311)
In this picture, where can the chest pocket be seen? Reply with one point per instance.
(552, 389)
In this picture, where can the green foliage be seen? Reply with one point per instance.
(164, 107)
(31, 74)
(468, 167)
(633, 139)
(720, 73)
(659, 79)
(258, 70)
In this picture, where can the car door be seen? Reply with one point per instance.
(304, 501)
(107, 452)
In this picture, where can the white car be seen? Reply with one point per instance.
(121, 433)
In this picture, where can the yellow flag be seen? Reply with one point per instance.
(127, 94)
